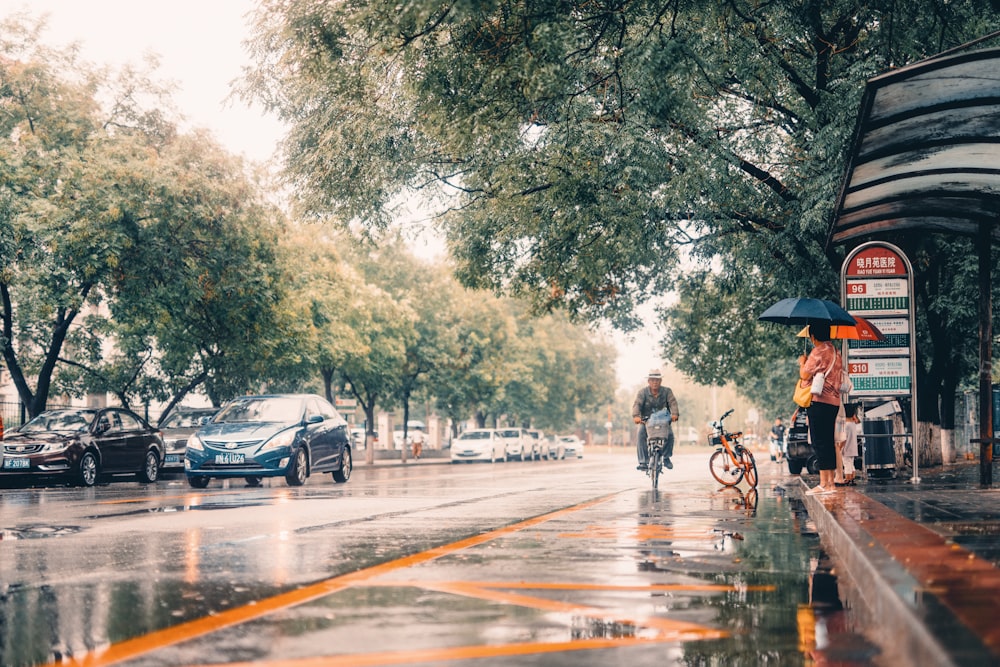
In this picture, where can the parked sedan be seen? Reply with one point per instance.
(289, 435)
(481, 444)
(572, 446)
(515, 443)
(176, 428)
(83, 444)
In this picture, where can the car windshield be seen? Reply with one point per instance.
(185, 419)
(72, 421)
(269, 409)
(474, 435)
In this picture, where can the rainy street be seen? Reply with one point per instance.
(536, 563)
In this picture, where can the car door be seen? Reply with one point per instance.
(335, 434)
(318, 436)
(137, 439)
(112, 442)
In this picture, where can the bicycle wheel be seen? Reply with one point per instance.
(749, 467)
(654, 466)
(723, 469)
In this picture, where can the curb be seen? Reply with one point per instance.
(878, 587)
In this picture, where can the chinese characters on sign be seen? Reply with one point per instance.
(876, 262)
(876, 287)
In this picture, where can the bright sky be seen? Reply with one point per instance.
(199, 43)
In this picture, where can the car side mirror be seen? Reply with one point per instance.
(314, 419)
(102, 428)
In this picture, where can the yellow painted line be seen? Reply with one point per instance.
(643, 533)
(435, 655)
(570, 586)
(666, 629)
(137, 646)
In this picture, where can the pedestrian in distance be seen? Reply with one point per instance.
(777, 440)
(823, 358)
(417, 441)
(654, 396)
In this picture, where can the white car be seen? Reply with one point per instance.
(516, 443)
(481, 444)
(553, 449)
(572, 445)
(537, 443)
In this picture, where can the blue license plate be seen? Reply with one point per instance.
(172, 458)
(230, 458)
(16, 464)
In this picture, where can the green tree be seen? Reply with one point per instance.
(65, 186)
(589, 147)
(136, 260)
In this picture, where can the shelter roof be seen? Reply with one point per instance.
(926, 152)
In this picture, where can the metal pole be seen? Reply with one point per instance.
(914, 445)
(985, 360)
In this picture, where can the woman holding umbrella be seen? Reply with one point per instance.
(824, 358)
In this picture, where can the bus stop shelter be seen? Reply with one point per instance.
(926, 158)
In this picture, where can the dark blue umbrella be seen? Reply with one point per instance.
(805, 310)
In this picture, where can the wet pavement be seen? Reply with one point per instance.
(919, 561)
(507, 564)
(547, 563)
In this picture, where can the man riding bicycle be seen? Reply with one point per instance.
(651, 398)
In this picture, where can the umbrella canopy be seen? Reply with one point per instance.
(862, 330)
(805, 310)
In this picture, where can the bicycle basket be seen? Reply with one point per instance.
(658, 425)
(714, 440)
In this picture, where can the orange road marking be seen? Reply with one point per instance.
(570, 586)
(643, 533)
(137, 646)
(667, 630)
(441, 654)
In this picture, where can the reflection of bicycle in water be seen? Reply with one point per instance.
(658, 435)
(731, 462)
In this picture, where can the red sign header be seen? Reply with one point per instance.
(876, 261)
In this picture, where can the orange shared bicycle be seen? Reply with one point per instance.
(731, 462)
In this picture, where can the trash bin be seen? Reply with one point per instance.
(879, 454)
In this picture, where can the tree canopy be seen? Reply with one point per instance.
(595, 155)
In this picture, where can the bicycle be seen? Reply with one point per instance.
(657, 434)
(731, 462)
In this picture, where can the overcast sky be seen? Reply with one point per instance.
(200, 46)
(199, 43)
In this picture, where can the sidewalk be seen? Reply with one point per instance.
(920, 562)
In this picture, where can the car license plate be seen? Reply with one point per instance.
(15, 463)
(172, 458)
(230, 458)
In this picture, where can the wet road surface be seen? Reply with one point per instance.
(535, 563)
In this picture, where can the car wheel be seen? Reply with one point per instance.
(150, 468)
(253, 481)
(346, 466)
(88, 470)
(198, 482)
(297, 469)
(812, 465)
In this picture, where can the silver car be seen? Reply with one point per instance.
(177, 427)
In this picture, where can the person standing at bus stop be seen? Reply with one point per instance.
(648, 400)
(823, 358)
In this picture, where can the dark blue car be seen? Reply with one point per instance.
(290, 435)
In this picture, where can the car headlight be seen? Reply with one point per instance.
(57, 446)
(283, 439)
(194, 442)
